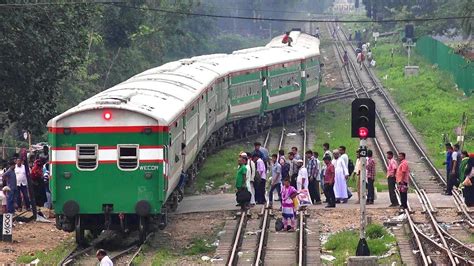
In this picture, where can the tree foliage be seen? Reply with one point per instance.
(410, 9)
(54, 56)
(40, 47)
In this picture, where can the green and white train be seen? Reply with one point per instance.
(117, 158)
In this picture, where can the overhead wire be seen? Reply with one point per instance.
(168, 11)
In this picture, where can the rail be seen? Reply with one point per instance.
(431, 166)
(425, 201)
(260, 252)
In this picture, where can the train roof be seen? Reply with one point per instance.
(164, 92)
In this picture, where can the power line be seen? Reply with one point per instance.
(283, 19)
(16, 5)
(118, 4)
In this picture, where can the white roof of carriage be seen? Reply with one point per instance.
(164, 92)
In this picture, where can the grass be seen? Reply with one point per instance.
(164, 257)
(199, 246)
(220, 167)
(51, 257)
(430, 100)
(344, 244)
(331, 123)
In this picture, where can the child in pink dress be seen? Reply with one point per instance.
(288, 208)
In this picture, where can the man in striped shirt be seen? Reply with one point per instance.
(313, 175)
(370, 167)
(391, 171)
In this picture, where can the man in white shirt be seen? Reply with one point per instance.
(22, 185)
(302, 179)
(345, 158)
(103, 258)
(340, 185)
(250, 176)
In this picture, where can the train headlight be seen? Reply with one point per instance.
(107, 115)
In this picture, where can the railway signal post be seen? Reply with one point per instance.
(363, 127)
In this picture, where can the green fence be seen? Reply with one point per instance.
(438, 53)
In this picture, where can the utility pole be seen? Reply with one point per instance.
(463, 130)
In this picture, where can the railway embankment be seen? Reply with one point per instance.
(430, 101)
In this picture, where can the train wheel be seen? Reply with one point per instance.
(80, 239)
(142, 228)
(163, 219)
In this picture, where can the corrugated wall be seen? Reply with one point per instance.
(438, 53)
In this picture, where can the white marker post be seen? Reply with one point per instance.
(7, 227)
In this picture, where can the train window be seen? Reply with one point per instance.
(87, 157)
(128, 157)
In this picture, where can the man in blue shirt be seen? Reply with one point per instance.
(10, 178)
(449, 159)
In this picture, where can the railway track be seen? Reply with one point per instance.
(86, 254)
(255, 241)
(445, 248)
(423, 169)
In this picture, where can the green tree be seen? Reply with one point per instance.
(40, 46)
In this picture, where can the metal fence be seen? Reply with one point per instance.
(442, 55)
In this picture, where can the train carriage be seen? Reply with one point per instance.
(118, 157)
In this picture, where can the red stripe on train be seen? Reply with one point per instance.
(121, 129)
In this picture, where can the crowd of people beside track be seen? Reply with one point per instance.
(459, 172)
(289, 176)
(25, 181)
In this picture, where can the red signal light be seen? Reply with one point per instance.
(107, 115)
(363, 132)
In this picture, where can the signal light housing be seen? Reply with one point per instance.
(363, 118)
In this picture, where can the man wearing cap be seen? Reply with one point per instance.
(302, 179)
(10, 178)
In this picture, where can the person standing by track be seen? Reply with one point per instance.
(9, 177)
(240, 183)
(302, 179)
(260, 179)
(313, 175)
(22, 185)
(449, 158)
(357, 173)
(329, 178)
(276, 180)
(370, 168)
(403, 178)
(341, 174)
(391, 171)
(468, 190)
(293, 168)
(250, 177)
(454, 171)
